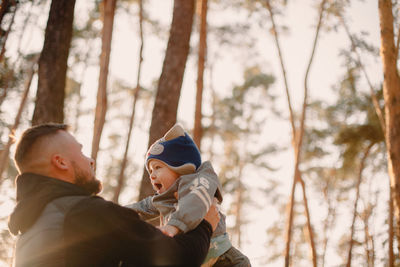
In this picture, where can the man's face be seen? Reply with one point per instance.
(86, 180)
(82, 166)
(161, 176)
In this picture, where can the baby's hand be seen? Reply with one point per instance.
(169, 230)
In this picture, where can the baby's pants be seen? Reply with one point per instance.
(231, 258)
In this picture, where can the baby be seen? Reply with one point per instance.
(185, 189)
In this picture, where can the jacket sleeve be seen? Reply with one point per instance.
(195, 195)
(99, 232)
(145, 208)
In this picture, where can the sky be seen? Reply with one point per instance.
(299, 17)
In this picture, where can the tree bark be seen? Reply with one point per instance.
(390, 234)
(49, 106)
(101, 104)
(6, 78)
(170, 82)
(391, 94)
(198, 129)
(121, 177)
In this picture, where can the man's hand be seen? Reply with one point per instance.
(212, 215)
(169, 230)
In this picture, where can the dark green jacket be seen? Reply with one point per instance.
(60, 225)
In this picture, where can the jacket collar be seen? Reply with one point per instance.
(34, 192)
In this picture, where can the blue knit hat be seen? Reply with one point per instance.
(177, 150)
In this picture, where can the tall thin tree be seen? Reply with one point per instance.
(359, 180)
(391, 94)
(297, 136)
(135, 96)
(170, 82)
(198, 128)
(381, 118)
(49, 106)
(101, 104)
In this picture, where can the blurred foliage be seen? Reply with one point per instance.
(336, 132)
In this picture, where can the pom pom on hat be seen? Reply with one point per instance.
(177, 150)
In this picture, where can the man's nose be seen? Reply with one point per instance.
(152, 176)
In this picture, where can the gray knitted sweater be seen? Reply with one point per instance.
(195, 194)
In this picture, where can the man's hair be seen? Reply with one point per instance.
(31, 136)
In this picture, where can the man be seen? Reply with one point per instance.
(61, 221)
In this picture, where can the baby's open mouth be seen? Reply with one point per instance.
(157, 186)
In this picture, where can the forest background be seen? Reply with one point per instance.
(295, 103)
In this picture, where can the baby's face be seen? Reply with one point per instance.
(161, 176)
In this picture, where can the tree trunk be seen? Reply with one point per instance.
(283, 69)
(238, 206)
(101, 104)
(169, 85)
(6, 78)
(369, 245)
(309, 225)
(329, 219)
(198, 129)
(121, 177)
(390, 234)
(212, 127)
(391, 94)
(351, 243)
(301, 134)
(289, 223)
(4, 155)
(49, 106)
(297, 136)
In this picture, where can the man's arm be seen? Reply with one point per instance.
(99, 232)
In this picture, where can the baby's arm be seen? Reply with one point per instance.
(195, 195)
(145, 208)
(169, 230)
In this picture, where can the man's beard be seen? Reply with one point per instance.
(86, 181)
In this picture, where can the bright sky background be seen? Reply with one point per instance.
(300, 17)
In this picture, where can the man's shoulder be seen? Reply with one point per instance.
(93, 203)
(96, 206)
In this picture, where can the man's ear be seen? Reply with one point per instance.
(59, 162)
